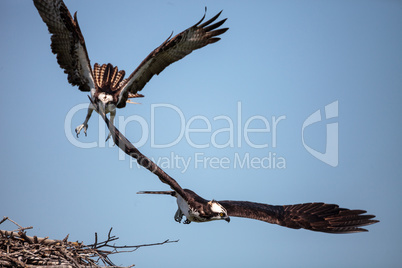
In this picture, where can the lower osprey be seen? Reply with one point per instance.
(320, 217)
(105, 82)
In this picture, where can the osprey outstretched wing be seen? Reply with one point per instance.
(172, 50)
(105, 82)
(319, 217)
(67, 43)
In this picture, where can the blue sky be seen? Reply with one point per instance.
(279, 63)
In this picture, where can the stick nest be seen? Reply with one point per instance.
(19, 250)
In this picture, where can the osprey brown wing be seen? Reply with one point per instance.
(320, 217)
(126, 146)
(173, 49)
(67, 42)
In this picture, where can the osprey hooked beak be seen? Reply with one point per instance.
(219, 210)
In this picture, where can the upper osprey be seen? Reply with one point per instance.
(105, 82)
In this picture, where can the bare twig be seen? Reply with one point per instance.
(20, 228)
(3, 220)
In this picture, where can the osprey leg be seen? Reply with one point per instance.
(178, 216)
(112, 115)
(85, 124)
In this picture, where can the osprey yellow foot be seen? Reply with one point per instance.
(80, 127)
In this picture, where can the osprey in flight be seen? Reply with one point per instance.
(105, 82)
(319, 217)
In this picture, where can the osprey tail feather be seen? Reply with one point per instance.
(107, 76)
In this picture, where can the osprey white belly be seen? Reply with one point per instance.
(186, 210)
